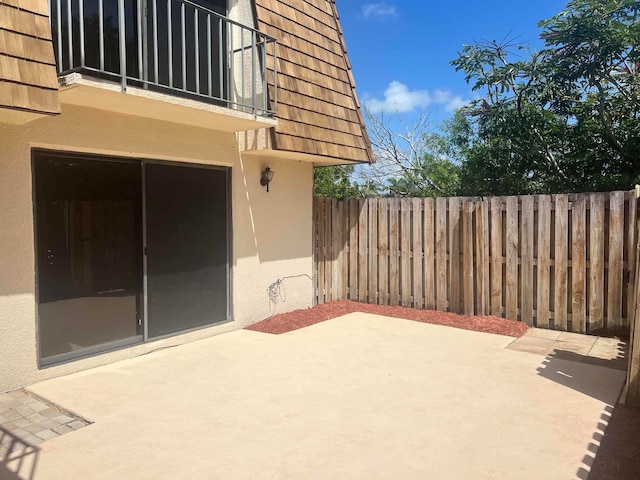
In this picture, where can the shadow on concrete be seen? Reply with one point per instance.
(618, 453)
(573, 371)
(18, 459)
(584, 472)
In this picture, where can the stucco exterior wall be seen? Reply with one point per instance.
(271, 231)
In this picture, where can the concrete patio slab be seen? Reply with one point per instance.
(575, 347)
(357, 397)
(543, 333)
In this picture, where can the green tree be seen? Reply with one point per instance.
(335, 182)
(565, 118)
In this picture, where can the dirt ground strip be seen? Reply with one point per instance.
(286, 322)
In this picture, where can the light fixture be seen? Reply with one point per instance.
(266, 177)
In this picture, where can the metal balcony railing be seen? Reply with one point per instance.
(175, 46)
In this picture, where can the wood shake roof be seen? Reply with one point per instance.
(28, 79)
(318, 109)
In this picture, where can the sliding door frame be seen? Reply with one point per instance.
(99, 349)
(229, 252)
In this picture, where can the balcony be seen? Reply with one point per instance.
(187, 55)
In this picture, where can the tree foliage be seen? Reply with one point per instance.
(335, 182)
(565, 118)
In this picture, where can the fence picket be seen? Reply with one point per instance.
(354, 220)
(496, 256)
(511, 278)
(596, 262)
(331, 259)
(320, 246)
(543, 261)
(560, 262)
(481, 260)
(405, 252)
(526, 266)
(344, 256)
(394, 231)
(454, 255)
(441, 254)
(487, 260)
(578, 265)
(616, 249)
(467, 259)
(362, 250)
(373, 250)
(429, 258)
(383, 252)
(416, 248)
(632, 232)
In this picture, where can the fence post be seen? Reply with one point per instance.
(633, 372)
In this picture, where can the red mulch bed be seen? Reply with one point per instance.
(286, 322)
(618, 456)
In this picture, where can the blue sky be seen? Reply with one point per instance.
(403, 47)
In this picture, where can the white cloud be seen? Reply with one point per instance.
(378, 10)
(399, 99)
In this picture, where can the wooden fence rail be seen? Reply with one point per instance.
(565, 262)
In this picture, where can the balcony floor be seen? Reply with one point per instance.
(91, 92)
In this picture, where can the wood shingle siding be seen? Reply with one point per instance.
(318, 109)
(28, 78)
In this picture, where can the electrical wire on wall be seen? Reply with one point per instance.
(278, 293)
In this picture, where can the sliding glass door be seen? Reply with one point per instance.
(187, 247)
(89, 253)
(94, 219)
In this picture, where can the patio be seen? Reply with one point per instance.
(360, 396)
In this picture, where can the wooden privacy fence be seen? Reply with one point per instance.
(565, 262)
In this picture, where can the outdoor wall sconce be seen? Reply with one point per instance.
(266, 177)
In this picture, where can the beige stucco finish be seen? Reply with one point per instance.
(358, 397)
(271, 231)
